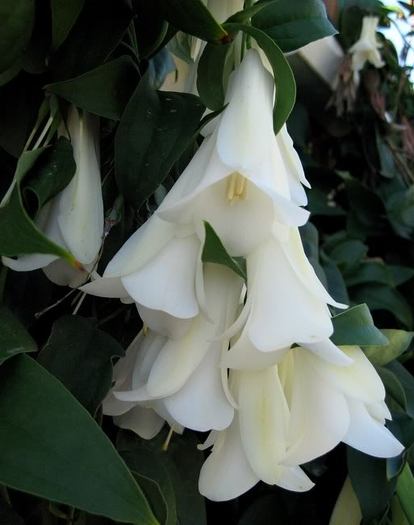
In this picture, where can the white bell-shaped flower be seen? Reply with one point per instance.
(74, 218)
(242, 180)
(366, 49)
(183, 375)
(291, 413)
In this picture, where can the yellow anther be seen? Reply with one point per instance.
(145, 329)
(236, 187)
(231, 186)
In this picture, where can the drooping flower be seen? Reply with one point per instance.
(366, 49)
(291, 413)
(180, 379)
(74, 218)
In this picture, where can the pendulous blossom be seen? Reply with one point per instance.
(291, 413)
(180, 378)
(366, 49)
(74, 218)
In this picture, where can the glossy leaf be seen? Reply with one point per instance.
(210, 75)
(284, 80)
(80, 356)
(42, 432)
(18, 233)
(119, 78)
(154, 131)
(406, 381)
(370, 483)
(382, 297)
(398, 342)
(17, 17)
(64, 15)
(192, 17)
(91, 39)
(294, 24)
(51, 173)
(14, 338)
(355, 326)
(405, 490)
(182, 461)
(215, 252)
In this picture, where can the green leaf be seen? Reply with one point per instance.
(64, 15)
(85, 91)
(406, 381)
(52, 448)
(80, 356)
(294, 24)
(369, 480)
(14, 338)
(215, 252)
(348, 254)
(284, 80)
(90, 43)
(18, 233)
(154, 131)
(17, 17)
(335, 281)
(370, 272)
(382, 297)
(405, 491)
(210, 75)
(398, 342)
(178, 468)
(355, 326)
(192, 17)
(51, 173)
(148, 463)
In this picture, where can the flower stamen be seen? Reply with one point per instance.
(236, 187)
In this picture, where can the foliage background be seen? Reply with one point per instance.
(109, 57)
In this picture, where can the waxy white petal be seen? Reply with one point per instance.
(167, 282)
(81, 219)
(368, 435)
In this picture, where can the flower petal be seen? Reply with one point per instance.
(201, 404)
(368, 435)
(167, 282)
(226, 473)
(143, 421)
(81, 217)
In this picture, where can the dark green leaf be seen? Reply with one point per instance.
(394, 388)
(398, 342)
(154, 131)
(284, 80)
(51, 173)
(335, 281)
(148, 463)
(356, 327)
(405, 491)
(91, 39)
(215, 252)
(406, 381)
(294, 24)
(400, 212)
(210, 75)
(243, 16)
(382, 297)
(370, 272)
(64, 15)
(119, 78)
(182, 461)
(51, 447)
(18, 233)
(348, 254)
(369, 480)
(192, 17)
(14, 338)
(388, 168)
(401, 274)
(80, 356)
(16, 28)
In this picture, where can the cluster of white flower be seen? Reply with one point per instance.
(252, 363)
